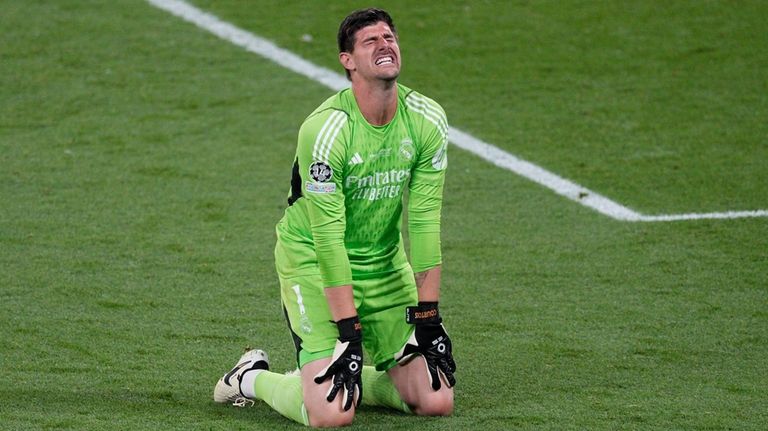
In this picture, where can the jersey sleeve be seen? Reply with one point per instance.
(426, 186)
(320, 157)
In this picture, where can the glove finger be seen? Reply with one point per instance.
(434, 379)
(337, 384)
(447, 365)
(324, 374)
(347, 396)
(449, 378)
(451, 364)
(358, 393)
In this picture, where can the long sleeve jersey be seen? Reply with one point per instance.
(349, 179)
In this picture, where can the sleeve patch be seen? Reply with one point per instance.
(320, 172)
(312, 187)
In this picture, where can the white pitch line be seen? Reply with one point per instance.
(486, 151)
(542, 176)
(704, 216)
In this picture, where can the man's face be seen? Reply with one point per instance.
(376, 54)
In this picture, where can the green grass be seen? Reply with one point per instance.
(144, 163)
(632, 99)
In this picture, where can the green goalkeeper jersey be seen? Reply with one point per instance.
(349, 178)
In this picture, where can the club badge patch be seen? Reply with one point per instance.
(406, 149)
(320, 172)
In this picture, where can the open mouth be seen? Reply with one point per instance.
(384, 60)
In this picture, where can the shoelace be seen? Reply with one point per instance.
(243, 402)
(247, 402)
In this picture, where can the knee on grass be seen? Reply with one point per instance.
(328, 417)
(431, 403)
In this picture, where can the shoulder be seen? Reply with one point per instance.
(330, 117)
(332, 109)
(415, 98)
(324, 127)
(423, 108)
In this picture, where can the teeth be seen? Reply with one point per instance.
(383, 60)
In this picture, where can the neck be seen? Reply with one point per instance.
(377, 101)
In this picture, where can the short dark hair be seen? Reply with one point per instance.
(357, 20)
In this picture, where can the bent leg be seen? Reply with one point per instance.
(379, 390)
(281, 392)
(412, 382)
(321, 412)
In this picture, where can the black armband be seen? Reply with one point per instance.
(350, 329)
(425, 312)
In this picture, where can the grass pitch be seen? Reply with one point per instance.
(144, 164)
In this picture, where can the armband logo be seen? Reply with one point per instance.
(320, 172)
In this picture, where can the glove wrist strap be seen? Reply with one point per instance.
(425, 312)
(350, 329)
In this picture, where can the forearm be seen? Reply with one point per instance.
(428, 284)
(341, 302)
(429, 338)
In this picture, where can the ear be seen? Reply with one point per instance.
(347, 61)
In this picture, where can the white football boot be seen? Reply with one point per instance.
(228, 390)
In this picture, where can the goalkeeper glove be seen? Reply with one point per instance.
(346, 364)
(429, 340)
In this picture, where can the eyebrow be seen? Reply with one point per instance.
(385, 35)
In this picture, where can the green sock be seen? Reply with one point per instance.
(283, 393)
(378, 390)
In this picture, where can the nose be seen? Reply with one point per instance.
(382, 42)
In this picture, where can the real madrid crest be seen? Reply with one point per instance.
(406, 151)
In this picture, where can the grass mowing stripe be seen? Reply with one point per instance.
(486, 151)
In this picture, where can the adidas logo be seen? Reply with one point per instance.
(356, 159)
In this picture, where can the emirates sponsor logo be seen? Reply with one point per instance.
(378, 185)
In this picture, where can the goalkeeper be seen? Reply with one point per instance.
(347, 288)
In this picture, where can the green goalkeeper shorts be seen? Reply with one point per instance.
(380, 303)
